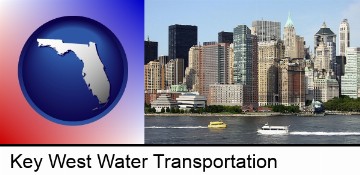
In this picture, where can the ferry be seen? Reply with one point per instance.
(266, 129)
(217, 124)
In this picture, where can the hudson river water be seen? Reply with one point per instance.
(330, 129)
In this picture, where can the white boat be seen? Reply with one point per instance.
(267, 129)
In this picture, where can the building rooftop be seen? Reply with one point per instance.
(164, 99)
(324, 30)
(289, 22)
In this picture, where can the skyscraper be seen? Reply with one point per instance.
(266, 30)
(344, 37)
(243, 72)
(181, 39)
(192, 71)
(270, 53)
(323, 58)
(208, 68)
(152, 77)
(242, 55)
(231, 65)
(294, 44)
(225, 37)
(350, 82)
(163, 60)
(325, 49)
(325, 88)
(223, 58)
(289, 38)
(254, 93)
(174, 72)
(151, 51)
(214, 65)
(292, 82)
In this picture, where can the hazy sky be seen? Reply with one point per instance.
(213, 16)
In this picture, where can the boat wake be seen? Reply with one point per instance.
(174, 127)
(326, 133)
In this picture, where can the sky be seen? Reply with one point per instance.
(213, 16)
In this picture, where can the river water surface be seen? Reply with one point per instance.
(330, 129)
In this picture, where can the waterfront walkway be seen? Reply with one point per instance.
(248, 114)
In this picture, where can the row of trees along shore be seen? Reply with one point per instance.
(207, 109)
(343, 103)
(221, 109)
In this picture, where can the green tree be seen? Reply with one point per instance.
(200, 110)
(192, 110)
(167, 109)
(177, 110)
(153, 110)
(147, 105)
(162, 110)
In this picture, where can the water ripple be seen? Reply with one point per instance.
(174, 127)
(327, 133)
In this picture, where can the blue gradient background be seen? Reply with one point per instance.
(19, 123)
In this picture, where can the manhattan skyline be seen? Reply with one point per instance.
(213, 16)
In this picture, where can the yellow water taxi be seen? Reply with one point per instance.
(217, 124)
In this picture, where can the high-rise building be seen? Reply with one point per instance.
(289, 38)
(292, 82)
(192, 71)
(231, 65)
(151, 51)
(208, 68)
(270, 53)
(163, 60)
(266, 30)
(174, 72)
(181, 39)
(294, 44)
(223, 58)
(285, 82)
(225, 37)
(344, 37)
(213, 65)
(326, 54)
(350, 82)
(254, 93)
(322, 61)
(243, 68)
(300, 51)
(152, 77)
(325, 88)
(242, 55)
(309, 83)
(340, 69)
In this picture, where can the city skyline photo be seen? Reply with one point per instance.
(213, 16)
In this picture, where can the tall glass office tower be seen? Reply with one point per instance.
(181, 39)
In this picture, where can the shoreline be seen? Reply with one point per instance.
(265, 114)
(249, 114)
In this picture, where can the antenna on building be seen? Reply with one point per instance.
(148, 38)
